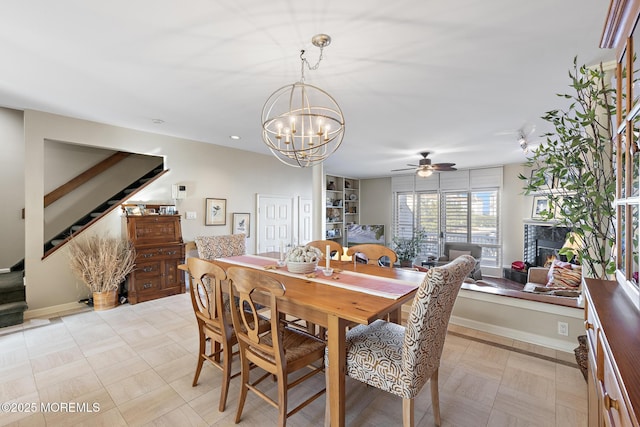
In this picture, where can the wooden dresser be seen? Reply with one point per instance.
(613, 334)
(159, 251)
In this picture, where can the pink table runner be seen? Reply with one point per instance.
(380, 286)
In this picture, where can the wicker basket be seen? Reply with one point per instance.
(301, 267)
(105, 300)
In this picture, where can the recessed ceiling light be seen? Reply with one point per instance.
(234, 137)
(157, 121)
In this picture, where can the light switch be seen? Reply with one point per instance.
(191, 215)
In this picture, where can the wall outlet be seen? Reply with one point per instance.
(563, 329)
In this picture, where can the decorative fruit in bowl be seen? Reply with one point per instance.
(303, 259)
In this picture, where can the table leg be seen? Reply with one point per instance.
(337, 353)
(395, 316)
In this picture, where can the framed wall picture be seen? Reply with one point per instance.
(215, 212)
(241, 224)
(540, 204)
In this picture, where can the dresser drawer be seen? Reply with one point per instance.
(590, 326)
(148, 284)
(154, 253)
(615, 409)
(147, 269)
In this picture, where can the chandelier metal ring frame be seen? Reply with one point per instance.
(302, 124)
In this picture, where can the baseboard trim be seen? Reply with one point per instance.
(515, 334)
(52, 311)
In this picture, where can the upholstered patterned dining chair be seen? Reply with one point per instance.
(212, 247)
(374, 253)
(400, 360)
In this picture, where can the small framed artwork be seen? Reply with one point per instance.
(167, 210)
(241, 224)
(133, 210)
(215, 212)
(540, 205)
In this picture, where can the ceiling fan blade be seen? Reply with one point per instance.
(444, 167)
(404, 169)
(438, 165)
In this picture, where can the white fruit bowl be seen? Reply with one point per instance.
(301, 267)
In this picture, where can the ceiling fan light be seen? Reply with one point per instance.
(424, 172)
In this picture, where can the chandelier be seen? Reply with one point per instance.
(302, 124)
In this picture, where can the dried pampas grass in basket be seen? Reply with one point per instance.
(100, 261)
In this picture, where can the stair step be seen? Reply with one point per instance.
(75, 228)
(11, 281)
(56, 242)
(113, 202)
(12, 313)
(143, 180)
(95, 214)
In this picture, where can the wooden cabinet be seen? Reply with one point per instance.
(159, 252)
(613, 335)
(342, 206)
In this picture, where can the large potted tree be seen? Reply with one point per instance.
(102, 263)
(578, 155)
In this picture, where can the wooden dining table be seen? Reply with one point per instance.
(354, 293)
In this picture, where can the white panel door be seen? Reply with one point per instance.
(275, 222)
(305, 224)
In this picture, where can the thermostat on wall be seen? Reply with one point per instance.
(178, 191)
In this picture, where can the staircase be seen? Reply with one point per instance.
(12, 290)
(12, 298)
(107, 206)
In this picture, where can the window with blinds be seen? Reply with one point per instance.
(448, 214)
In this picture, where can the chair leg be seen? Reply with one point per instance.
(435, 398)
(226, 376)
(244, 379)
(407, 413)
(282, 400)
(327, 409)
(201, 351)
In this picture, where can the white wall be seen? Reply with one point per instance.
(11, 187)
(207, 170)
(515, 208)
(376, 205)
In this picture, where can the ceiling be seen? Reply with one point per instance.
(457, 79)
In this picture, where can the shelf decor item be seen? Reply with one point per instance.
(303, 259)
(102, 263)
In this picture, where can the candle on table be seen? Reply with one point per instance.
(328, 256)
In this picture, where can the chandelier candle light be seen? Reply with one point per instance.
(302, 124)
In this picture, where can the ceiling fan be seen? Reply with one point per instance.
(523, 136)
(425, 168)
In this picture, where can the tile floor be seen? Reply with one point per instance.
(133, 365)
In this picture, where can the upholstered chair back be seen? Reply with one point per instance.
(427, 323)
(212, 247)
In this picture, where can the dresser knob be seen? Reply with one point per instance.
(147, 285)
(588, 325)
(610, 402)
